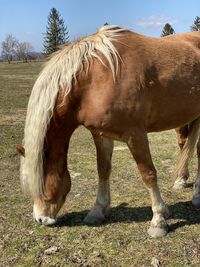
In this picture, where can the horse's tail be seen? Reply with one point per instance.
(190, 144)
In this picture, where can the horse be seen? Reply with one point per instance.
(120, 85)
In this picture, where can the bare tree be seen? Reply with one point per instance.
(8, 47)
(22, 51)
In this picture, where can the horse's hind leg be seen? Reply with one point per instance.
(104, 149)
(189, 147)
(196, 194)
(139, 147)
(183, 173)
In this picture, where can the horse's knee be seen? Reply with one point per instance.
(150, 178)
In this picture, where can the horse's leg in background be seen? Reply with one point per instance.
(196, 194)
(188, 149)
(104, 149)
(183, 173)
(139, 147)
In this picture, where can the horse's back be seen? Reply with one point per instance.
(168, 71)
(192, 38)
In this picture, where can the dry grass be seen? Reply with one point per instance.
(122, 240)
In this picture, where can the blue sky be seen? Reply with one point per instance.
(27, 19)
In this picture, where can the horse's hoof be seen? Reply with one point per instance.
(178, 185)
(157, 232)
(92, 220)
(196, 201)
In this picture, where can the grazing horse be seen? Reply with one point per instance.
(119, 85)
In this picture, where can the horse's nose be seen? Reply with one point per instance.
(38, 220)
(48, 221)
(42, 218)
(45, 220)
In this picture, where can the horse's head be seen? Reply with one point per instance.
(56, 185)
(47, 205)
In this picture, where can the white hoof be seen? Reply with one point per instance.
(179, 184)
(157, 232)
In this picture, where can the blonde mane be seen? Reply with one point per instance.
(58, 73)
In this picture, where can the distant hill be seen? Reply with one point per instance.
(36, 55)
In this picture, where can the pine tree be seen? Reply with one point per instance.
(167, 30)
(56, 33)
(196, 25)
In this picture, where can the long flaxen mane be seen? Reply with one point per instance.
(58, 73)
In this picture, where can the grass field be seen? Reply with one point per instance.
(122, 240)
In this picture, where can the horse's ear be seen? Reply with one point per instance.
(20, 149)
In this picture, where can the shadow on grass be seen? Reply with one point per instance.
(182, 211)
(186, 213)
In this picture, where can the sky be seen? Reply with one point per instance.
(27, 19)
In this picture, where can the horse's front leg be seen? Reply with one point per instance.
(139, 146)
(104, 149)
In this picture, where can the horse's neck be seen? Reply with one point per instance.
(62, 126)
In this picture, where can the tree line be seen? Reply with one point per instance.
(57, 35)
(167, 29)
(13, 49)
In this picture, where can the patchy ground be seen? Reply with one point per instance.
(122, 240)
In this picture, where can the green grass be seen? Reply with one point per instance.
(122, 240)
